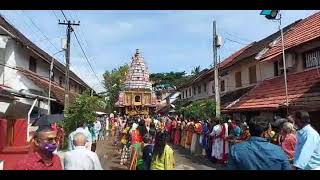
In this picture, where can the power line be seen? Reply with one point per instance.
(83, 38)
(236, 41)
(55, 14)
(65, 17)
(40, 30)
(85, 55)
(242, 39)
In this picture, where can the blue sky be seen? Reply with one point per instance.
(168, 40)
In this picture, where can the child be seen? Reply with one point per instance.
(147, 151)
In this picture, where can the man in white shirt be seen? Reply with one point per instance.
(83, 129)
(81, 158)
(97, 128)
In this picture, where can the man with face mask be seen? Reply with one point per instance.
(42, 158)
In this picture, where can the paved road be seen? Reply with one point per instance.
(110, 159)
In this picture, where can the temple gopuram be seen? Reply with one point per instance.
(137, 97)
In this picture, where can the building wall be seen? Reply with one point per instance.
(229, 78)
(267, 69)
(197, 96)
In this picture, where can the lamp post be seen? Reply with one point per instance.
(50, 76)
(272, 14)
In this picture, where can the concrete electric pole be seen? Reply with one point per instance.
(216, 44)
(66, 88)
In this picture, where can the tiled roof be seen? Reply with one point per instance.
(56, 90)
(250, 50)
(303, 92)
(39, 52)
(5, 94)
(228, 61)
(304, 31)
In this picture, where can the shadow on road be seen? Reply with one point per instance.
(198, 160)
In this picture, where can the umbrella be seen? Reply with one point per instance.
(45, 120)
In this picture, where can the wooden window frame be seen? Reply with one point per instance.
(33, 64)
(238, 79)
(252, 79)
(222, 86)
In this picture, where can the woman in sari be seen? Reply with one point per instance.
(177, 134)
(196, 145)
(289, 140)
(190, 129)
(183, 133)
(136, 161)
(173, 129)
(163, 155)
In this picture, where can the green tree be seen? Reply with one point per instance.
(113, 83)
(202, 110)
(81, 111)
(196, 70)
(172, 79)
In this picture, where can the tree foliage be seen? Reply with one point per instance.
(203, 110)
(196, 70)
(81, 111)
(172, 79)
(113, 83)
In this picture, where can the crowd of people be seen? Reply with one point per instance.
(145, 143)
(270, 144)
(142, 142)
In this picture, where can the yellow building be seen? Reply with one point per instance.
(137, 97)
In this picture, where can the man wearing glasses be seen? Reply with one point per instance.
(42, 158)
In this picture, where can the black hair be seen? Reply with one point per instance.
(257, 126)
(303, 116)
(142, 130)
(160, 143)
(147, 138)
(141, 123)
(42, 129)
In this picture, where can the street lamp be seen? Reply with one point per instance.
(50, 77)
(272, 14)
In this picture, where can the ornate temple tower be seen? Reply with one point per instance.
(137, 97)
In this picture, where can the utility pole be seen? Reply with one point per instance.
(216, 70)
(66, 88)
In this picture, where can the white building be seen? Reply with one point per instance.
(24, 69)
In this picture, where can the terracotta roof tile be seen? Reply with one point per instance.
(303, 31)
(303, 92)
(56, 90)
(43, 55)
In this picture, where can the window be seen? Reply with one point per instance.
(222, 86)
(182, 94)
(312, 59)
(275, 68)
(199, 89)
(137, 99)
(205, 87)
(186, 93)
(194, 90)
(61, 81)
(252, 74)
(190, 92)
(238, 79)
(32, 64)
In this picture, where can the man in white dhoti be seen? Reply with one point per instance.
(220, 146)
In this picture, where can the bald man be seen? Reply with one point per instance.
(81, 158)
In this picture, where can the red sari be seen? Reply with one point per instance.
(177, 134)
